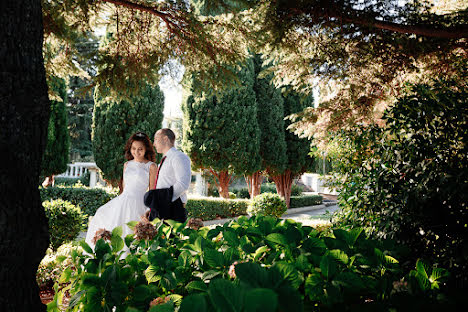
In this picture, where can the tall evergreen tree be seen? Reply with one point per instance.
(297, 149)
(114, 121)
(56, 154)
(221, 132)
(270, 115)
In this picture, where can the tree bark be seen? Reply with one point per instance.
(254, 183)
(283, 183)
(222, 179)
(24, 114)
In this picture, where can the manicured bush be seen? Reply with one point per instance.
(267, 204)
(65, 221)
(88, 199)
(305, 201)
(296, 190)
(212, 208)
(84, 180)
(255, 264)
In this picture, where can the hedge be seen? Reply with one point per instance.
(88, 199)
(305, 201)
(212, 208)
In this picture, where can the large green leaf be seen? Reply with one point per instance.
(252, 274)
(315, 245)
(339, 255)
(226, 296)
(85, 247)
(213, 258)
(151, 274)
(194, 303)
(209, 275)
(231, 238)
(328, 267)
(185, 258)
(277, 238)
(196, 286)
(141, 293)
(260, 251)
(117, 231)
(261, 299)
(117, 243)
(289, 273)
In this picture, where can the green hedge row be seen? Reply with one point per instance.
(212, 208)
(88, 199)
(305, 201)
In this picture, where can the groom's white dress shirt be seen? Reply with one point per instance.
(175, 171)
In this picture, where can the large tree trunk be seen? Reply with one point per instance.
(254, 183)
(24, 115)
(283, 183)
(222, 179)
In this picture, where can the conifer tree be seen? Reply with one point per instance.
(56, 154)
(297, 149)
(114, 121)
(221, 132)
(270, 115)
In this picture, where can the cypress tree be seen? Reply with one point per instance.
(114, 121)
(221, 132)
(270, 115)
(56, 154)
(297, 149)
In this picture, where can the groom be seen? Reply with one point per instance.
(173, 177)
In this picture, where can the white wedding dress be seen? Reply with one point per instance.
(126, 207)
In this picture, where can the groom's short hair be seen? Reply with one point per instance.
(169, 134)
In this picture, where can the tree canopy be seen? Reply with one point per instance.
(363, 51)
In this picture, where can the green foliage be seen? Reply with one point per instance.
(88, 199)
(296, 190)
(65, 221)
(297, 149)
(62, 181)
(267, 204)
(305, 200)
(53, 264)
(55, 158)
(252, 264)
(221, 131)
(114, 121)
(270, 118)
(408, 180)
(212, 208)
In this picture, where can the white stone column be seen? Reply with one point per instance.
(92, 176)
(201, 188)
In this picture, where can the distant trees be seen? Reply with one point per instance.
(55, 158)
(221, 132)
(242, 130)
(114, 121)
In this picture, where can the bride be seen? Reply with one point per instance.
(139, 173)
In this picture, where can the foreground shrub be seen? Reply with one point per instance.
(88, 199)
(54, 264)
(212, 208)
(65, 221)
(256, 264)
(267, 204)
(408, 180)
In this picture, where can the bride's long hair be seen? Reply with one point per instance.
(141, 137)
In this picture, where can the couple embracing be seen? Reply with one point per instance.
(167, 183)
